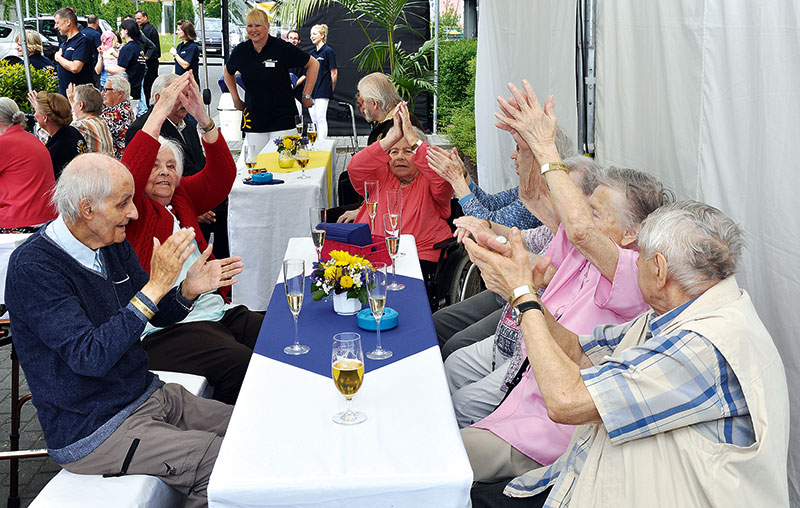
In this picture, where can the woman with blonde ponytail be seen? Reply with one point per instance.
(326, 78)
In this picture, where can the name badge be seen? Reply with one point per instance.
(269, 63)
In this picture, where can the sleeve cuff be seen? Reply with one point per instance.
(466, 198)
(147, 303)
(188, 305)
(472, 186)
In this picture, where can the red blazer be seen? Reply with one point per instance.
(195, 195)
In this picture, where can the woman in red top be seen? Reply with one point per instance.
(26, 174)
(398, 161)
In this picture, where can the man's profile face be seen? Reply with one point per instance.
(294, 38)
(140, 19)
(62, 25)
(111, 216)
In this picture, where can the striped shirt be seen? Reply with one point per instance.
(667, 382)
(96, 133)
(503, 208)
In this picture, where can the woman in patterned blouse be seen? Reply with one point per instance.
(117, 112)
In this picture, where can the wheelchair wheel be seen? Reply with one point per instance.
(466, 281)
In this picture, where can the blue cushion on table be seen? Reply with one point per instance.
(352, 233)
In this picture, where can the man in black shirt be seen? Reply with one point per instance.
(151, 33)
(74, 58)
(92, 32)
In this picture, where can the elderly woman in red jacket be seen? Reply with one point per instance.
(215, 340)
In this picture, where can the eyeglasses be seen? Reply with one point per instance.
(108, 90)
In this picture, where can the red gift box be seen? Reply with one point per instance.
(374, 253)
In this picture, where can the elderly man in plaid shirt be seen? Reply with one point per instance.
(686, 405)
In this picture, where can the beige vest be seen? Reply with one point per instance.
(681, 468)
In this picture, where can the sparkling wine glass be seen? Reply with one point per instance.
(394, 206)
(298, 124)
(294, 278)
(391, 230)
(250, 158)
(316, 216)
(311, 132)
(347, 369)
(302, 158)
(371, 198)
(376, 291)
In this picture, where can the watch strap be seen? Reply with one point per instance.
(520, 291)
(526, 306)
(550, 166)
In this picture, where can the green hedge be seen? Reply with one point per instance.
(457, 96)
(14, 85)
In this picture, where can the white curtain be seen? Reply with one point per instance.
(530, 39)
(704, 94)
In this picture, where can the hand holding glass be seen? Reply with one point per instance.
(391, 228)
(294, 278)
(316, 216)
(347, 369)
(376, 291)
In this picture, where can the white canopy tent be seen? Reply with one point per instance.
(703, 94)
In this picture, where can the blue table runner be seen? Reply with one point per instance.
(318, 323)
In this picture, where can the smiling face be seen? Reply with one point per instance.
(400, 162)
(604, 202)
(62, 25)
(316, 37)
(294, 38)
(109, 218)
(257, 32)
(163, 177)
(140, 19)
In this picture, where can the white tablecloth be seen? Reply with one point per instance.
(261, 219)
(8, 242)
(282, 449)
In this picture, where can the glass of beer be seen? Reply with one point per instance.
(391, 230)
(250, 158)
(376, 292)
(347, 368)
(311, 132)
(298, 124)
(316, 216)
(371, 198)
(294, 278)
(302, 158)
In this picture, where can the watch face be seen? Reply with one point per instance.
(515, 315)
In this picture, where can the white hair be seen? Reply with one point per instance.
(177, 151)
(159, 84)
(10, 113)
(86, 177)
(120, 82)
(701, 243)
(642, 193)
(588, 169)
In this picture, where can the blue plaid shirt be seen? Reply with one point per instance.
(688, 383)
(503, 208)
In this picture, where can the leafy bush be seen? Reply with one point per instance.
(456, 77)
(14, 85)
(459, 126)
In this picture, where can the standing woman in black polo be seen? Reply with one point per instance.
(187, 56)
(268, 108)
(131, 59)
(326, 78)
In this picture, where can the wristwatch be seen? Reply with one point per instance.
(550, 166)
(306, 95)
(519, 310)
(417, 145)
(520, 291)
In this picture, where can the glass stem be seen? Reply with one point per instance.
(296, 332)
(378, 331)
(348, 412)
(394, 274)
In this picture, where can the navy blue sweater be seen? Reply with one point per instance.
(77, 337)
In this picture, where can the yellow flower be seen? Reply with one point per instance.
(287, 143)
(346, 282)
(330, 273)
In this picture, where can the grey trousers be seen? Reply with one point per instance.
(493, 459)
(466, 322)
(179, 439)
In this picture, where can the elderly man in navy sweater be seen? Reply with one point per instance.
(79, 301)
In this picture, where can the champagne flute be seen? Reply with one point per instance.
(391, 228)
(250, 158)
(347, 369)
(294, 278)
(311, 131)
(316, 216)
(376, 291)
(302, 158)
(371, 198)
(298, 124)
(394, 205)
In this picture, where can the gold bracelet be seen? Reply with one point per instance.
(210, 127)
(144, 309)
(550, 166)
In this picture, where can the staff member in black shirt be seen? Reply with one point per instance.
(131, 59)
(74, 58)
(268, 109)
(151, 33)
(187, 56)
(53, 114)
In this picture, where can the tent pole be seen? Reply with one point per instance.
(24, 43)
(589, 29)
(436, 66)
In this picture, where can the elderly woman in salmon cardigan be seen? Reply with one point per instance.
(216, 339)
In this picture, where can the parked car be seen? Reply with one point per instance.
(214, 35)
(8, 45)
(45, 24)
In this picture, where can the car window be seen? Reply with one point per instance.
(214, 25)
(4, 32)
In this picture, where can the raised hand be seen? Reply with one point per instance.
(167, 261)
(467, 225)
(204, 275)
(503, 266)
(449, 166)
(537, 124)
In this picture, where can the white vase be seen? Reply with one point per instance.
(345, 306)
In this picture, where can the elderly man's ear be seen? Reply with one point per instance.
(86, 209)
(663, 269)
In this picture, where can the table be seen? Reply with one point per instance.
(261, 219)
(8, 242)
(282, 448)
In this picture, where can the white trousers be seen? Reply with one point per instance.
(319, 115)
(474, 385)
(260, 139)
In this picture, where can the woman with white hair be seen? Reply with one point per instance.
(26, 174)
(87, 105)
(326, 78)
(167, 202)
(117, 111)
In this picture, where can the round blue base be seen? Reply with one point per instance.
(367, 322)
(262, 177)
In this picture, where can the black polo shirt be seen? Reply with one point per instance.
(189, 51)
(151, 33)
(66, 144)
(269, 102)
(131, 57)
(323, 88)
(76, 48)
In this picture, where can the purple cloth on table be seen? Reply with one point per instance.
(318, 323)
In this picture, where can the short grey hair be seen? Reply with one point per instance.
(10, 113)
(160, 84)
(589, 170)
(87, 176)
(379, 88)
(177, 151)
(91, 97)
(643, 194)
(120, 82)
(419, 132)
(701, 243)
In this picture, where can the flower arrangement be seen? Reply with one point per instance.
(341, 273)
(290, 143)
